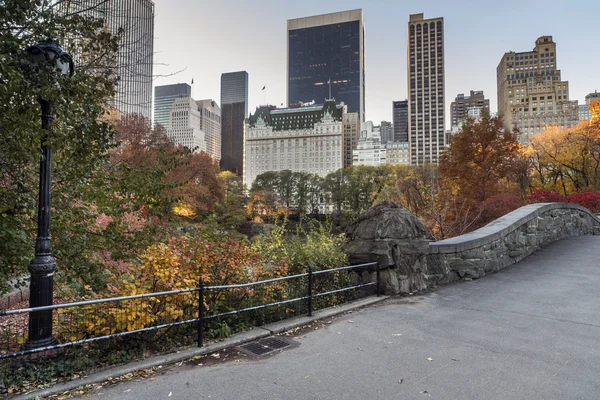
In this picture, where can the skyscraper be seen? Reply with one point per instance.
(210, 124)
(400, 120)
(326, 54)
(350, 136)
(135, 56)
(164, 97)
(531, 93)
(234, 109)
(387, 132)
(426, 125)
(460, 107)
(177, 112)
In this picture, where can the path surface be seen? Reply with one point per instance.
(529, 332)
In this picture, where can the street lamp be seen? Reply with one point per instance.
(45, 54)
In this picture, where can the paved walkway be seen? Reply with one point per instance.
(529, 332)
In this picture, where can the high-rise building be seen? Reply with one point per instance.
(387, 132)
(184, 124)
(464, 106)
(300, 139)
(164, 97)
(234, 110)
(351, 134)
(531, 93)
(584, 113)
(426, 122)
(326, 60)
(397, 153)
(210, 124)
(370, 151)
(592, 97)
(400, 120)
(135, 55)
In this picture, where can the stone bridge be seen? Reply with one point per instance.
(412, 262)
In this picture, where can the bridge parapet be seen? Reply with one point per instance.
(508, 240)
(410, 262)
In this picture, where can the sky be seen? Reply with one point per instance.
(199, 40)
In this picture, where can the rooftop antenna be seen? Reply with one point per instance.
(329, 83)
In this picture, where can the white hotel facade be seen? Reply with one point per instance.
(303, 139)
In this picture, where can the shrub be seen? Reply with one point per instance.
(589, 200)
(545, 196)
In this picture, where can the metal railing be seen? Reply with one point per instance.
(84, 322)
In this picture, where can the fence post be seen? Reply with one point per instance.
(310, 284)
(378, 281)
(201, 313)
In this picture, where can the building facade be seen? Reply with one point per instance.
(210, 124)
(531, 93)
(135, 56)
(397, 153)
(426, 122)
(303, 139)
(164, 98)
(184, 125)
(234, 110)
(351, 135)
(584, 113)
(370, 151)
(326, 60)
(387, 132)
(468, 106)
(400, 120)
(592, 97)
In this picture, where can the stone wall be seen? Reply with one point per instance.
(411, 261)
(507, 240)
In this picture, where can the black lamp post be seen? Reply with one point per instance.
(45, 53)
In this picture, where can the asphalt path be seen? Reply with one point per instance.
(531, 331)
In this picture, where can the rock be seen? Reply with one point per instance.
(398, 241)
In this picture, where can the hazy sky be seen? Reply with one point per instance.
(207, 38)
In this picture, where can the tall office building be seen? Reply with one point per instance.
(184, 124)
(234, 110)
(370, 151)
(326, 54)
(592, 97)
(134, 63)
(387, 132)
(426, 124)
(584, 113)
(531, 93)
(350, 136)
(400, 120)
(464, 106)
(210, 124)
(164, 97)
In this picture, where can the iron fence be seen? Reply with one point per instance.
(201, 310)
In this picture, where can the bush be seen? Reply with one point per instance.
(498, 206)
(589, 200)
(545, 196)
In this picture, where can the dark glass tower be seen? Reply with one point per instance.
(400, 114)
(326, 54)
(234, 109)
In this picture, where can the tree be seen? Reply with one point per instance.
(80, 137)
(480, 157)
(567, 160)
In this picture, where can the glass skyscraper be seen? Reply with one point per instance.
(326, 55)
(134, 63)
(164, 97)
(234, 110)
